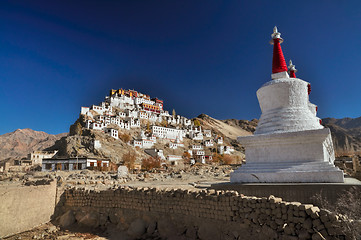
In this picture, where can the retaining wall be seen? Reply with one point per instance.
(25, 207)
(301, 192)
(199, 214)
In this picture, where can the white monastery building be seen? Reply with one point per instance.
(37, 157)
(168, 133)
(53, 164)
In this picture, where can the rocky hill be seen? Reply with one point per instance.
(230, 128)
(346, 134)
(249, 126)
(80, 142)
(346, 123)
(18, 144)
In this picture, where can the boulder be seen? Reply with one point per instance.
(67, 219)
(168, 229)
(90, 219)
(113, 217)
(191, 233)
(137, 228)
(122, 171)
(151, 227)
(210, 231)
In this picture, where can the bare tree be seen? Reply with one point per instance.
(129, 159)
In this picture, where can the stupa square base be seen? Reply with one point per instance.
(304, 156)
(291, 176)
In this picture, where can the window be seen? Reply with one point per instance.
(58, 166)
(66, 166)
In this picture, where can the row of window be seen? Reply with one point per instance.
(65, 166)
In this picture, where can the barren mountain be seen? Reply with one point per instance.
(19, 143)
(229, 128)
(346, 123)
(346, 134)
(249, 126)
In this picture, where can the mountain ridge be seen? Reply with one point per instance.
(19, 143)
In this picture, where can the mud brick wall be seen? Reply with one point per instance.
(211, 214)
(25, 207)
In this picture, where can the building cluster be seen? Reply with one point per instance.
(126, 109)
(129, 109)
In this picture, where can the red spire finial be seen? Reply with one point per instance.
(278, 62)
(292, 70)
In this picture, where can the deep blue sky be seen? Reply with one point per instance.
(198, 56)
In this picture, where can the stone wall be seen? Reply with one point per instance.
(143, 212)
(24, 207)
(300, 192)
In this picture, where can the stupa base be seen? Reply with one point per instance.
(290, 157)
(312, 172)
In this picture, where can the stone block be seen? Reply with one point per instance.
(269, 232)
(316, 222)
(307, 224)
(317, 236)
(122, 171)
(303, 234)
(302, 213)
(279, 221)
(289, 230)
(313, 212)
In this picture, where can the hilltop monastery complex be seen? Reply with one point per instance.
(126, 110)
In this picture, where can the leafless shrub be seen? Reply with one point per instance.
(150, 163)
(186, 157)
(228, 159)
(217, 158)
(129, 159)
(348, 205)
(125, 137)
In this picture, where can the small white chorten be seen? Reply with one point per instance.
(289, 144)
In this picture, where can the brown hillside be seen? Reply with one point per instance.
(18, 144)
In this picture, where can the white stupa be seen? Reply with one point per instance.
(289, 144)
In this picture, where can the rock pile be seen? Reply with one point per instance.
(102, 180)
